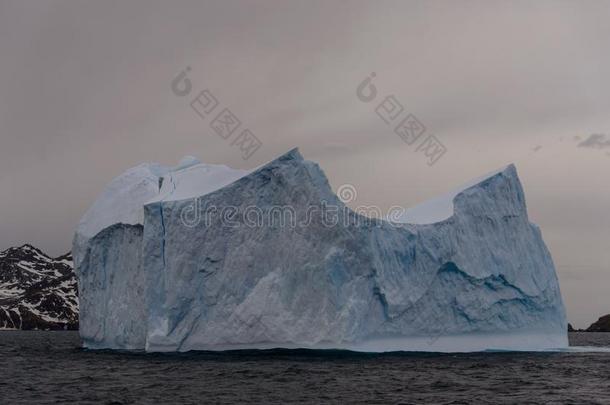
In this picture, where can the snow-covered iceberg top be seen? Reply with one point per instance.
(195, 180)
(467, 271)
(441, 208)
(123, 200)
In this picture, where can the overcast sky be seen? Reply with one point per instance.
(85, 93)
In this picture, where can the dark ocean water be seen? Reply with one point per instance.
(50, 367)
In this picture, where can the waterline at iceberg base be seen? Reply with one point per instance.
(464, 272)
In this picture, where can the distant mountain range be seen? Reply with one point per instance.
(37, 291)
(601, 325)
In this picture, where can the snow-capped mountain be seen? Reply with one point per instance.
(37, 291)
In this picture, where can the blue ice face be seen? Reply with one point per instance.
(479, 278)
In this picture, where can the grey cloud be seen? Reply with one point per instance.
(596, 141)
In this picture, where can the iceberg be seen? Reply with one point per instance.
(205, 257)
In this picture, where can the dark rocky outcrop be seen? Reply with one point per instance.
(602, 325)
(37, 291)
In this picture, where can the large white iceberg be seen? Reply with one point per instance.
(205, 257)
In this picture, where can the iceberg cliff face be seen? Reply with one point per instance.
(199, 271)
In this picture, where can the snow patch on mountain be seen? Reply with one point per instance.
(37, 291)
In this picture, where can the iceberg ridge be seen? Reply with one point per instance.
(481, 274)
